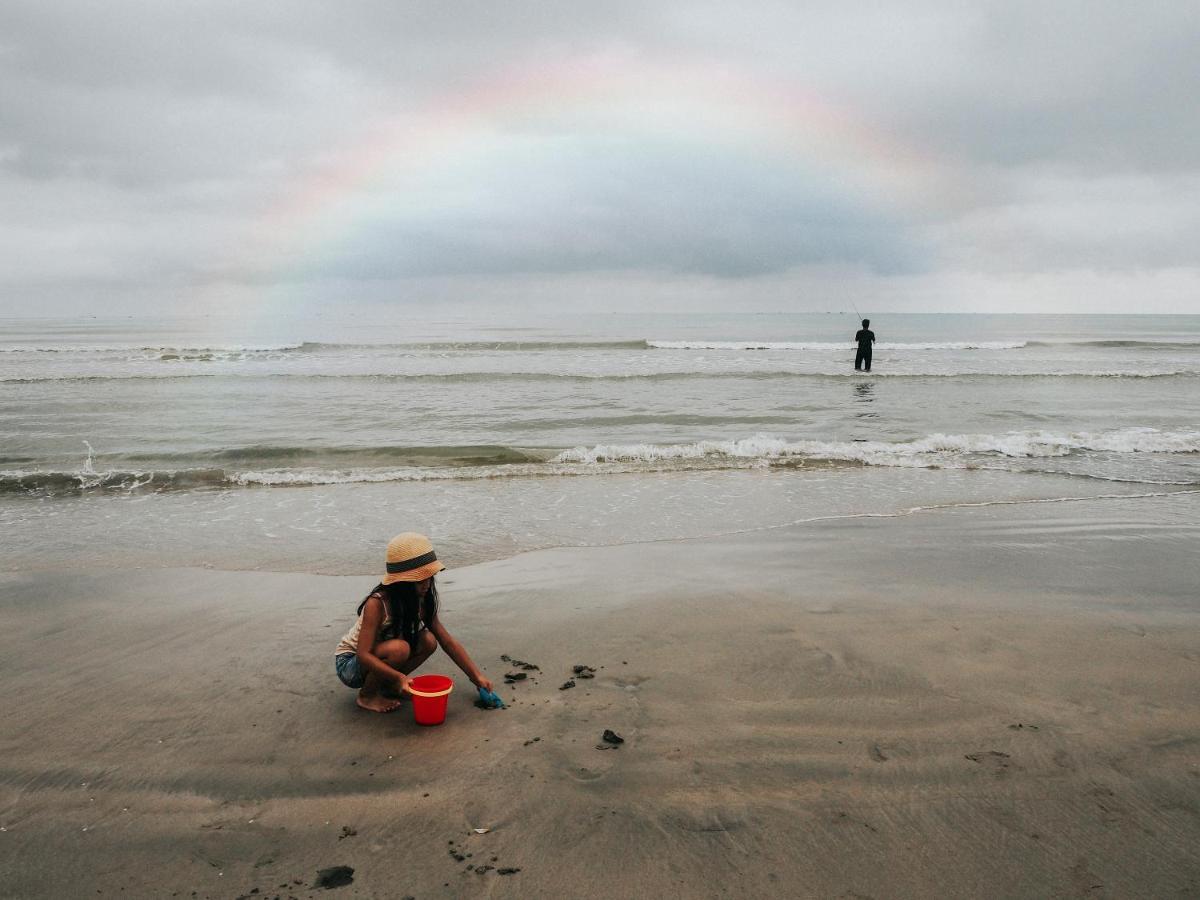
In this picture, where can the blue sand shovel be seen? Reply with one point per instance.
(490, 700)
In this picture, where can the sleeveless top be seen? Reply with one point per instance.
(349, 641)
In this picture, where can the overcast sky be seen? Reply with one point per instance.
(947, 156)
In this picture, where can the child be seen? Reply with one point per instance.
(398, 628)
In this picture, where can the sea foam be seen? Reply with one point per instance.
(839, 346)
(1012, 444)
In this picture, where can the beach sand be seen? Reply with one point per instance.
(999, 702)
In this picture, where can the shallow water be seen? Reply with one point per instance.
(304, 444)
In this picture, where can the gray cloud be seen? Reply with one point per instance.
(143, 146)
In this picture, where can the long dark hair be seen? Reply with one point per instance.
(404, 608)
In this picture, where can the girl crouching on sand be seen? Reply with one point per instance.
(398, 628)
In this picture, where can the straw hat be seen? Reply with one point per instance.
(410, 557)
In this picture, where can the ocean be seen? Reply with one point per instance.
(304, 444)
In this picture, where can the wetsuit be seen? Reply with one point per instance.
(862, 359)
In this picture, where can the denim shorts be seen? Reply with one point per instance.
(350, 670)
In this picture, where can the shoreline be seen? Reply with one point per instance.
(1155, 490)
(974, 703)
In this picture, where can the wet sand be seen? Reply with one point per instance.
(989, 703)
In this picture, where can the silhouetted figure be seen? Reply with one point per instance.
(865, 338)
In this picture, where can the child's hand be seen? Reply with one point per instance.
(485, 683)
(402, 681)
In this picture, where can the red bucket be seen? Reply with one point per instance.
(429, 696)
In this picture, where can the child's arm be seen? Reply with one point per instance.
(459, 654)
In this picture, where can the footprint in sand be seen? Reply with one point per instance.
(995, 760)
(1112, 810)
(1062, 759)
(886, 751)
(1086, 881)
(631, 682)
(840, 817)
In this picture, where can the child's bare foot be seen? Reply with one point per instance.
(376, 702)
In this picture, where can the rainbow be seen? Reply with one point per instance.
(711, 106)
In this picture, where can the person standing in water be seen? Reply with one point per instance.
(865, 338)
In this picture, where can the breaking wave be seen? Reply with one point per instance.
(173, 353)
(236, 351)
(839, 346)
(929, 450)
(165, 352)
(296, 466)
(1145, 345)
(488, 377)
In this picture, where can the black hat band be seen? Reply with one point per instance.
(395, 568)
